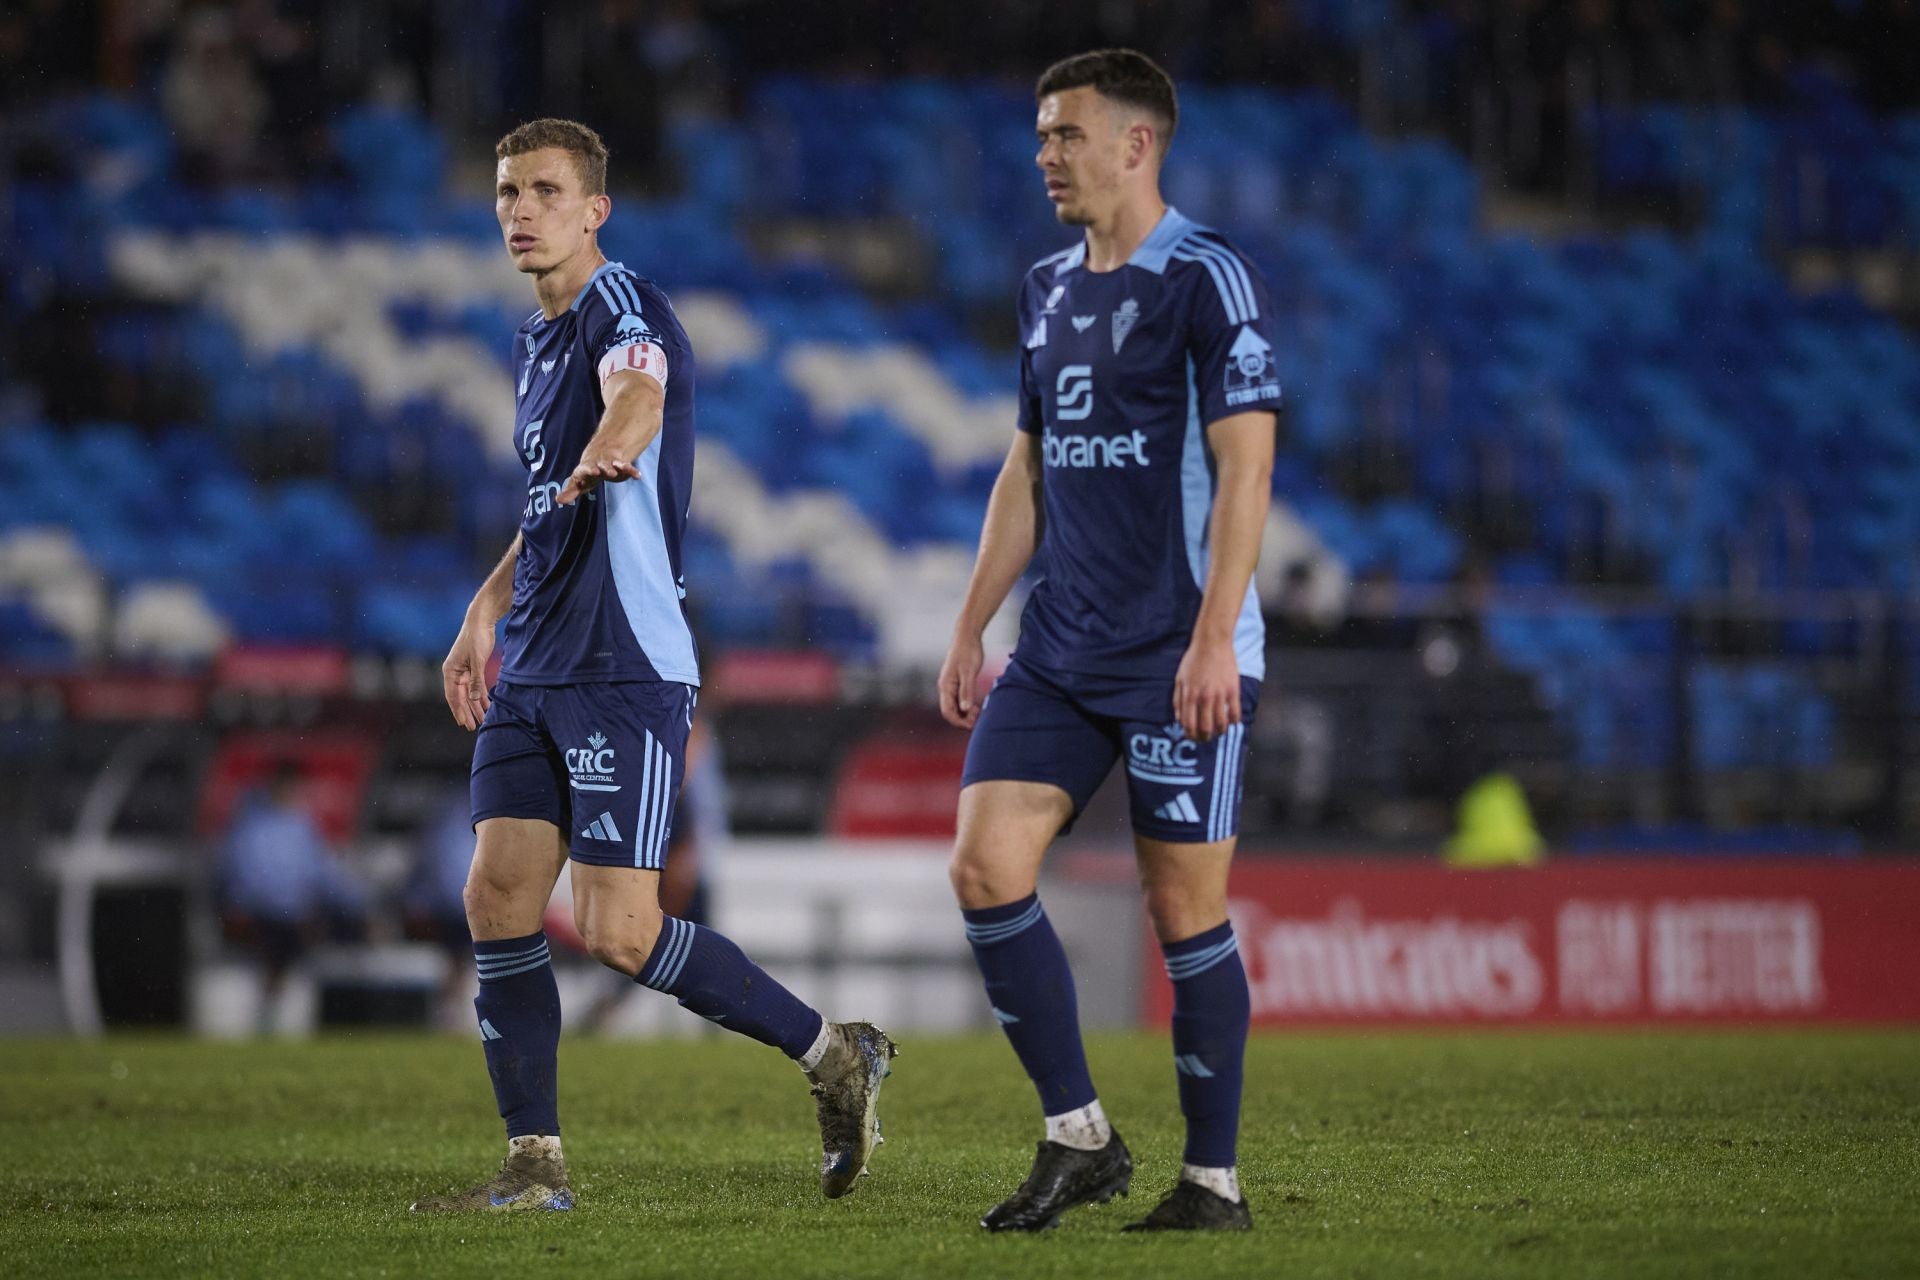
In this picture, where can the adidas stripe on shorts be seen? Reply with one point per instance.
(1070, 729)
(603, 762)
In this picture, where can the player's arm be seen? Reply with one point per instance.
(636, 406)
(463, 676)
(1206, 690)
(1007, 542)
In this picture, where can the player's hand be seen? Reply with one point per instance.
(959, 677)
(591, 472)
(463, 676)
(1206, 690)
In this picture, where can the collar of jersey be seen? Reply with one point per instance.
(581, 297)
(1153, 252)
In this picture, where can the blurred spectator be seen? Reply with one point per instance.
(299, 106)
(432, 903)
(621, 93)
(281, 889)
(248, 91)
(686, 54)
(213, 100)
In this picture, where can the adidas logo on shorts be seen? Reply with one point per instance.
(1178, 809)
(602, 828)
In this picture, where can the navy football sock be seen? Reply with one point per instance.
(1031, 990)
(714, 978)
(519, 1008)
(1210, 1009)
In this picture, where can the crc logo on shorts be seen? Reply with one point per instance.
(1168, 757)
(1250, 373)
(590, 768)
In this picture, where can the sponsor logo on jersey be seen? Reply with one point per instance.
(1053, 299)
(542, 498)
(590, 768)
(1123, 321)
(632, 328)
(1074, 393)
(1165, 758)
(1082, 323)
(1250, 374)
(1084, 452)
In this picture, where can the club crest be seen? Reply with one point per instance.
(1123, 322)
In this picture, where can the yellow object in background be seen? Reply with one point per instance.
(1496, 827)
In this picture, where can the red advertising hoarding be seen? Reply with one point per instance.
(1605, 941)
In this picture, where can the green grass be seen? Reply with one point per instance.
(1791, 1154)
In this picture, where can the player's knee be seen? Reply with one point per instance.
(622, 941)
(486, 897)
(1180, 910)
(978, 882)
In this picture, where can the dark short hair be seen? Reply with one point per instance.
(1120, 75)
(583, 144)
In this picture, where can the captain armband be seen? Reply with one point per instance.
(643, 357)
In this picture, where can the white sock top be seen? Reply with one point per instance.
(1083, 1128)
(544, 1145)
(1224, 1183)
(818, 1050)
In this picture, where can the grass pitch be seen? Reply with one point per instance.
(1790, 1154)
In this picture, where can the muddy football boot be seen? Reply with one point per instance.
(1191, 1207)
(525, 1182)
(846, 1091)
(1063, 1178)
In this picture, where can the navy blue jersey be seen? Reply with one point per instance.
(1121, 375)
(597, 589)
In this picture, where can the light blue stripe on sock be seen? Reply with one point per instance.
(494, 964)
(681, 952)
(493, 957)
(528, 967)
(663, 950)
(679, 943)
(662, 972)
(1002, 930)
(1187, 966)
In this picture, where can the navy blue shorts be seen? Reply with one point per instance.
(1069, 729)
(603, 762)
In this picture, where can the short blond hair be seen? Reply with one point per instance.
(583, 144)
